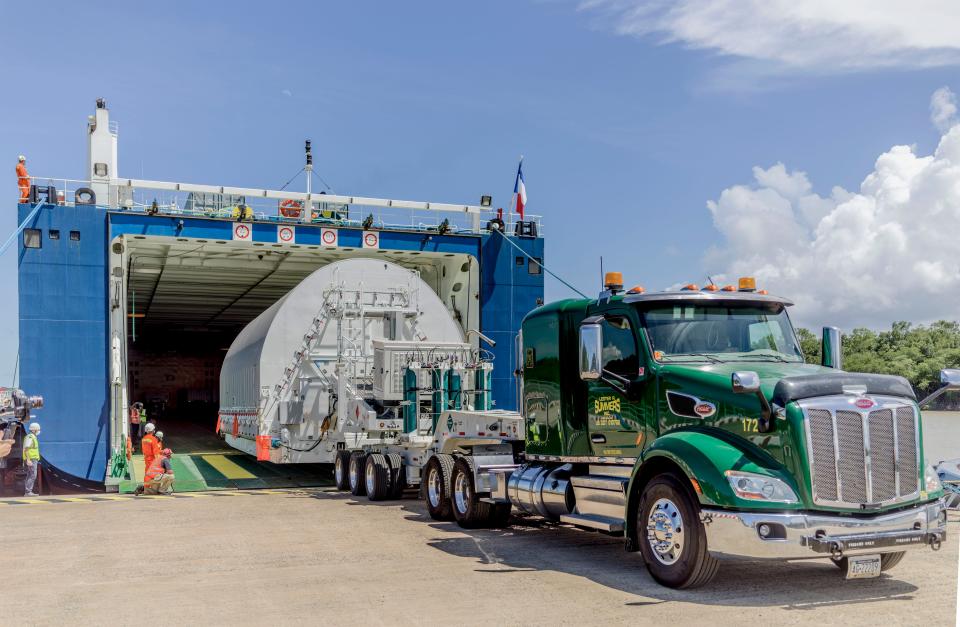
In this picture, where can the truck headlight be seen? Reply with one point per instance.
(754, 487)
(931, 481)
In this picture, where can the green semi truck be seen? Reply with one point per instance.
(688, 422)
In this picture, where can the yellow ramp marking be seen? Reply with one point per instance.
(227, 468)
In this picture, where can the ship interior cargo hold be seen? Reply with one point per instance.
(184, 300)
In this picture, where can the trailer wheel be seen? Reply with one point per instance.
(887, 561)
(469, 511)
(436, 486)
(358, 461)
(671, 535)
(376, 477)
(398, 476)
(341, 470)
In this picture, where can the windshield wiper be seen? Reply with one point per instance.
(779, 358)
(707, 356)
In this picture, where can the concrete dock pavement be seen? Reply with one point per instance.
(313, 556)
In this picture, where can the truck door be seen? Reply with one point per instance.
(615, 418)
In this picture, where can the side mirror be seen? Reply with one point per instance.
(748, 382)
(591, 352)
(830, 355)
(949, 379)
(745, 382)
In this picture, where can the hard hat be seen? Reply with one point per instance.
(150, 428)
(166, 452)
(34, 426)
(21, 158)
(160, 434)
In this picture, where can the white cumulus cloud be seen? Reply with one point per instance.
(886, 252)
(815, 35)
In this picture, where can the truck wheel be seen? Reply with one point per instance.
(398, 476)
(887, 561)
(436, 486)
(341, 470)
(358, 461)
(671, 536)
(376, 477)
(469, 511)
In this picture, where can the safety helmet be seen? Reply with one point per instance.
(34, 427)
(150, 428)
(160, 435)
(166, 452)
(21, 158)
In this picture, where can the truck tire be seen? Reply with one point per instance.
(671, 535)
(398, 476)
(887, 561)
(341, 470)
(376, 477)
(436, 486)
(468, 510)
(358, 461)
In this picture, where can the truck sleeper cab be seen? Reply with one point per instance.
(689, 423)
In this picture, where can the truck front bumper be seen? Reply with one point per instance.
(809, 536)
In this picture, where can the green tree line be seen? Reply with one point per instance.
(915, 352)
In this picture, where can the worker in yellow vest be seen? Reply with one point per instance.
(31, 458)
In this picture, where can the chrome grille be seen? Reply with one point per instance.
(860, 457)
(820, 425)
(851, 460)
(883, 462)
(909, 462)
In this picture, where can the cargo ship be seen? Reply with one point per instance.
(132, 291)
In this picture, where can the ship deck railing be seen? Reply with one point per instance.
(228, 203)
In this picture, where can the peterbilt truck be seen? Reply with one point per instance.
(685, 421)
(688, 423)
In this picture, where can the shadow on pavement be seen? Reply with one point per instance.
(532, 544)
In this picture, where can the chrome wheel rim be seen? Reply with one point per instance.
(461, 493)
(369, 478)
(665, 531)
(433, 488)
(338, 470)
(354, 479)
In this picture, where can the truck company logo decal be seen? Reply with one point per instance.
(864, 403)
(606, 404)
(606, 412)
(705, 409)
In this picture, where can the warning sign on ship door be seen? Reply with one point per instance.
(328, 237)
(242, 232)
(371, 239)
(286, 234)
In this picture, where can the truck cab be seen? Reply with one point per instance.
(689, 422)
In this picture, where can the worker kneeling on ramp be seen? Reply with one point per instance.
(159, 476)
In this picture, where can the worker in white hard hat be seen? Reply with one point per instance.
(150, 445)
(31, 458)
(23, 179)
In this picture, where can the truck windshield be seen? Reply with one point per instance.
(692, 332)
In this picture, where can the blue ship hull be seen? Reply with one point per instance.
(65, 303)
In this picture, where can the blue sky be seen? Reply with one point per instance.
(626, 134)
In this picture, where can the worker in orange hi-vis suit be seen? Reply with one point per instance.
(23, 179)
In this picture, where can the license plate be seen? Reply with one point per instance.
(863, 567)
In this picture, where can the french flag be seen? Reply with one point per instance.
(519, 191)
